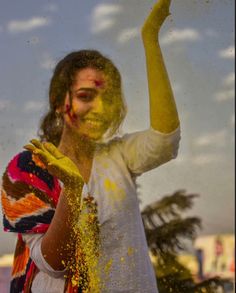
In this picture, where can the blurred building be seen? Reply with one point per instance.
(216, 256)
(211, 256)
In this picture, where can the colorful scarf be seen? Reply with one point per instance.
(29, 198)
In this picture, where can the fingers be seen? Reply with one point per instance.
(43, 156)
(29, 147)
(47, 147)
(38, 149)
(37, 143)
(53, 150)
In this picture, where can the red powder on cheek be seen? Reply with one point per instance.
(72, 115)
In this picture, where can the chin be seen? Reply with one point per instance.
(96, 137)
(91, 134)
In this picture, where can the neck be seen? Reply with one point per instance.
(75, 146)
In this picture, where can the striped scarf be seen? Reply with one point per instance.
(29, 197)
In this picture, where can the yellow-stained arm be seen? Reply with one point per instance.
(163, 112)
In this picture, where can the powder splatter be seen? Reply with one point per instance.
(83, 266)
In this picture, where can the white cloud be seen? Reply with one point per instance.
(228, 92)
(178, 35)
(128, 34)
(204, 159)
(34, 106)
(103, 17)
(4, 104)
(217, 139)
(18, 26)
(229, 79)
(104, 10)
(47, 62)
(103, 24)
(228, 53)
(225, 95)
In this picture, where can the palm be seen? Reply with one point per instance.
(64, 168)
(57, 164)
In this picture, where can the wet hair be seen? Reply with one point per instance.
(64, 74)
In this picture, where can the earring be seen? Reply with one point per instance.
(58, 120)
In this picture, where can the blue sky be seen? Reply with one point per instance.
(198, 47)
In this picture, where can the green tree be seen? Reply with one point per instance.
(166, 229)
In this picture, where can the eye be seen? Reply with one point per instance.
(85, 96)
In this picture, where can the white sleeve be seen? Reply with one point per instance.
(148, 149)
(33, 241)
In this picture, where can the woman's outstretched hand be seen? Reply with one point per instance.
(156, 18)
(57, 164)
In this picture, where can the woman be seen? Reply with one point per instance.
(71, 196)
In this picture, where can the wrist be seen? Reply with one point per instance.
(72, 195)
(75, 184)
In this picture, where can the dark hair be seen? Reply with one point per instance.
(50, 130)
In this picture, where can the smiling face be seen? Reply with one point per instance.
(89, 107)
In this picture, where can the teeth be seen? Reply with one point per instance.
(94, 122)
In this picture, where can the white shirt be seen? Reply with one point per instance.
(115, 167)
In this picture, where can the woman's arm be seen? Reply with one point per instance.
(163, 112)
(61, 239)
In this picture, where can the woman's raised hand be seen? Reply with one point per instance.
(156, 18)
(57, 164)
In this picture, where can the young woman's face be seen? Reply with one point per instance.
(89, 107)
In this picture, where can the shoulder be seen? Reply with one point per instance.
(147, 149)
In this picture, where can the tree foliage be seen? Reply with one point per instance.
(166, 229)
